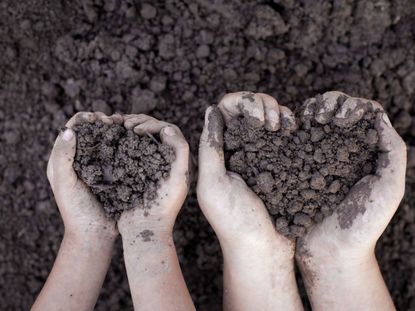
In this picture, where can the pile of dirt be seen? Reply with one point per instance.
(178, 57)
(119, 166)
(301, 176)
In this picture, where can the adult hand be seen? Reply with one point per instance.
(338, 253)
(258, 272)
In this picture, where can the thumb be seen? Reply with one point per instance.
(211, 157)
(172, 136)
(60, 170)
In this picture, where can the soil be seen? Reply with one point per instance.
(172, 59)
(119, 166)
(301, 176)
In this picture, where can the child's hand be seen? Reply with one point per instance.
(337, 256)
(82, 214)
(158, 216)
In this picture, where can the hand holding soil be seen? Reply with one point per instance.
(81, 212)
(340, 250)
(258, 261)
(159, 211)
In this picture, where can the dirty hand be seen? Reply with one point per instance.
(159, 215)
(343, 244)
(150, 257)
(254, 253)
(82, 214)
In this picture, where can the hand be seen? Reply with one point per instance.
(235, 212)
(258, 261)
(336, 257)
(150, 257)
(159, 215)
(360, 219)
(81, 212)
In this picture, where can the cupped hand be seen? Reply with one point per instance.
(81, 212)
(235, 212)
(352, 231)
(160, 214)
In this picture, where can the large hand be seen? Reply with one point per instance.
(82, 214)
(346, 240)
(258, 272)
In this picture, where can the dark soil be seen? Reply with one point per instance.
(301, 176)
(119, 166)
(178, 57)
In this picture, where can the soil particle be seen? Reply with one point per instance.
(122, 169)
(304, 175)
(146, 235)
(215, 128)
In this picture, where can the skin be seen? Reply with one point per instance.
(85, 253)
(336, 257)
(258, 262)
(153, 270)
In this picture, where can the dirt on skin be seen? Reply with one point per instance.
(173, 59)
(301, 176)
(120, 166)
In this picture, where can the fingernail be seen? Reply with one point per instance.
(386, 120)
(67, 135)
(169, 131)
(273, 116)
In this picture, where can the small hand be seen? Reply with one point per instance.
(160, 214)
(81, 212)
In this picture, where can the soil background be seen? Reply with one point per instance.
(174, 58)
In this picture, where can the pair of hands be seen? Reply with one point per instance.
(81, 212)
(336, 257)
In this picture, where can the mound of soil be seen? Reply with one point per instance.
(301, 176)
(120, 166)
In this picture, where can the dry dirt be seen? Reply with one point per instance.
(60, 57)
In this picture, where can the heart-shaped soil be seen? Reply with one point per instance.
(119, 166)
(301, 176)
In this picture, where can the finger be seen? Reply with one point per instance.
(117, 118)
(243, 103)
(391, 167)
(151, 126)
(172, 136)
(211, 157)
(81, 117)
(351, 111)
(61, 160)
(327, 106)
(308, 109)
(288, 122)
(272, 112)
(104, 118)
(131, 121)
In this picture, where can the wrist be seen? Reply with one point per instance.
(280, 249)
(325, 262)
(88, 241)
